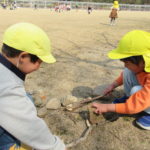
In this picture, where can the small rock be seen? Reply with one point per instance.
(38, 102)
(53, 103)
(69, 99)
(42, 112)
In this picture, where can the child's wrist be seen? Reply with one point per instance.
(110, 107)
(114, 84)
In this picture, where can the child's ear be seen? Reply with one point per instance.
(23, 56)
(142, 64)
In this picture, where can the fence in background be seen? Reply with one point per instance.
(75, 4)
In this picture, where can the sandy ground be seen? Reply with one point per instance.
(80, 43)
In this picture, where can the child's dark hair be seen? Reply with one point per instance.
(134, 59)
(12, 52)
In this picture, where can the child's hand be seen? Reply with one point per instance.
(103, 108)
(99, 108)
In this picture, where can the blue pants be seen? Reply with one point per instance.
(7, 140)
(131, 84)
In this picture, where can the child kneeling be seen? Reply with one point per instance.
(134, 51)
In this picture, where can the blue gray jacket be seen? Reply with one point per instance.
(18, 115)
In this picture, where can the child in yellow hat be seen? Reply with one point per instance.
(25, 47)
(134, 51)
(114, 13)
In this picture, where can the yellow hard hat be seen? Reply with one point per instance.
(134, 43)
(116, 4)
(29, 38)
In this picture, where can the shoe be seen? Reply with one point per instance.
(144, 122)
(120, 100)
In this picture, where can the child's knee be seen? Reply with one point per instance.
(135, 89)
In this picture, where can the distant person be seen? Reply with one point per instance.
(68, 7)
(114, 13)
(113, 16)
(76, 7)
(35, 6)
(4, 6)
(25, 47)
(134, 51)
(11, 7)
(15, 5)
(58, 8)
(89, 9)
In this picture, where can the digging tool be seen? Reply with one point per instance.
(73, 106)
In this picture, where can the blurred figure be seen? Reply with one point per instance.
(114, 13)
(4, 6)
(77, 7)
(68, 7)
(89, 9)
(35, 6)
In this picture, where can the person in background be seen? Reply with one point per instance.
(76, 7)
(35, 6)
(114, 13)
(89, 9)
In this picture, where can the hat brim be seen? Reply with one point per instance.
(114, 54)
(48, 58)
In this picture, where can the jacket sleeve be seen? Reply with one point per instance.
(19, 117)
(136, 102)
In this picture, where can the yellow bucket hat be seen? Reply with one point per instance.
(116, 4)
(29, 38)
(134, 43)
